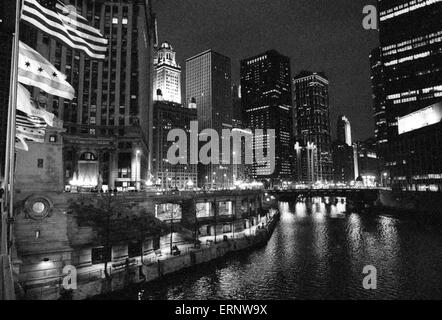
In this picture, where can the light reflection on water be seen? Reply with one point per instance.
(318, 251)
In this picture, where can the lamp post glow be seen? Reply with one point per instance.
(189, 184)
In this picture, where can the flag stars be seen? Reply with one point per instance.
(27, 64)
(40, 69)
(54, 74)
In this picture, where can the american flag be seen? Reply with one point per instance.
(29, 127)
(65, 25)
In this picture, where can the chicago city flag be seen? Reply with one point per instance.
(34, 70)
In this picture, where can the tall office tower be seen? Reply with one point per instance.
(208, 86)
(342, 152)
(237, 112)
(6, 29)
(367, 161)
(343, 162)
(108, 124)
(312, 118)
(266, 100)
(378, 90)
(169, 115)
(167, 75)
(411, 62)
(344, 130)
(241, 171)
(306, 158)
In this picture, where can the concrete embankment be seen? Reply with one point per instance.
(140, 274)
(423, 203)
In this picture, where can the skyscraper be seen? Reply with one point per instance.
(342, 150)
(167, 116)
(410, 56)
(378, 90)
(266, 100)
(312, 118)
(208, 85)
(167, 74)
(344, 130)
(109, 122)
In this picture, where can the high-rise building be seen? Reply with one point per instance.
(312, 118)
(168, 116)
(237, 112)
(379, 100)
(266, 100)
(410, 56)
(241, 171)
(342, 150)
(306, 158)
(343, 162)
(367, 162)
(167, 75)
(344, 130)
(108, 124)
(208, 86)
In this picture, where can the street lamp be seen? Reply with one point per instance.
(214, 179)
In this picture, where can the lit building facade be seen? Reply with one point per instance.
(266, 102)
(168, 116)
(411, 63)
(379, 100)
(344, 130)
(167, 75)
(108, 124)
(343, 162)
(241, 171)
(208, 87)
(306, 158)
(367, 162)
(312, 118)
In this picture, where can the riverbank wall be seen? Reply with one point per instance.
(425, 203)
(140, 273)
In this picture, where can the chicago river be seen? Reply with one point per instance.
(318, 251)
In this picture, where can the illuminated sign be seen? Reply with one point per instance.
(421, 118)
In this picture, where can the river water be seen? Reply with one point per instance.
(318, 251)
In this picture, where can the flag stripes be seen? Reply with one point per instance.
(30, 122)
(75, 34)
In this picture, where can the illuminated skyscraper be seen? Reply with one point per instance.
(109, 122)
(410, 62)
(208, 86)
(344, 130)
(312, 118)
(266, 100)
(167, 116)
(167, 75)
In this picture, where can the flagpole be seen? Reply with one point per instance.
(12, 128)
(7, 287)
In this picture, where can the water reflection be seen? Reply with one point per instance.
(318, 251)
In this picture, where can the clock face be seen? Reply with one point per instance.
(38, 208)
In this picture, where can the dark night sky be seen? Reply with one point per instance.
(318, 35)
